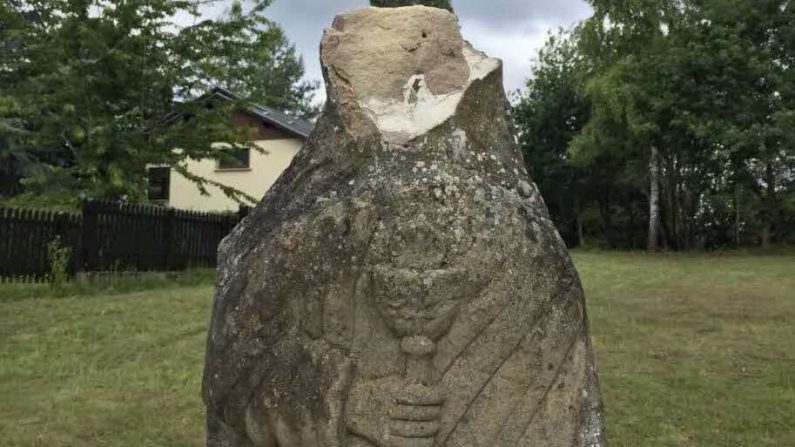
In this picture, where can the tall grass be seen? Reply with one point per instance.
(107, 284)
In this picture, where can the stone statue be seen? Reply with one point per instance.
(402, 284)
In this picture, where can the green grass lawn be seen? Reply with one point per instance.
(693, 350)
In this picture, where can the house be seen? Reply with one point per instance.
(280, 136)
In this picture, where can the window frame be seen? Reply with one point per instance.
(235, 153)
(164, 184)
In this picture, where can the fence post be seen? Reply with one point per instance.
(168, 239)
(90, 240)
(61, 229)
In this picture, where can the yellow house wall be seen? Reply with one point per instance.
(264, 169)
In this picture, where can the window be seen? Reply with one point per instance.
(159, 183)
(235, 159)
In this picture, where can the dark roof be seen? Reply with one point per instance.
(291, 124)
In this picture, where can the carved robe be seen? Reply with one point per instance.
(372, 235)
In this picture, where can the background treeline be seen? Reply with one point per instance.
(86, 85)
(667, 124)
(654, 123)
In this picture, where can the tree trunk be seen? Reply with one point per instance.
(736, 214)
(578, 221)
(654, 200)
(766, 235)
(667, 187)
(607, 220)
(676, 205)
(771, 206)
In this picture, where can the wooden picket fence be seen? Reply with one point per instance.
(110, 237)
(24, 237)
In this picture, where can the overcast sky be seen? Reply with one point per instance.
(512, 30)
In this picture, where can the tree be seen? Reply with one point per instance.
(689, 127)
(250, 55)
(588, 192)
(91, 82)
(15, 163)
(548, 115)
(443, 4)
(622, 43)
(760, 134)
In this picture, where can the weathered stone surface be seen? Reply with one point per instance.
(402, 284)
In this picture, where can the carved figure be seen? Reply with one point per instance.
(402, 284)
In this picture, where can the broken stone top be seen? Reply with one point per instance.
(403, 69)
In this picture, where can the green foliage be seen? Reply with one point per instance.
(86, 86)
(443, 4)
(548, 114)
(592, 197)
(58, 257)
(249, 55)
(708, 85)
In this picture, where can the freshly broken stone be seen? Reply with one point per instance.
(401, 284)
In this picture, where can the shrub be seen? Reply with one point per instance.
(58, 257)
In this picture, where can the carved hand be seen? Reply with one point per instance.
(392, 412)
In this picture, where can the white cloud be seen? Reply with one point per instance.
(516, 47)
(512, 30)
